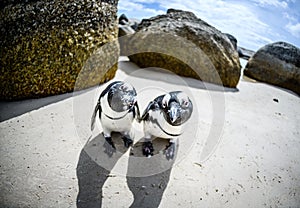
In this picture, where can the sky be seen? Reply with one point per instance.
(254, 23)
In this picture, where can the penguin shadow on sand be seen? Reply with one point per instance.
(147, 178)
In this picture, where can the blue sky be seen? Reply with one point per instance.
(254, 22)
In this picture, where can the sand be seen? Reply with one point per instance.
(241, 148)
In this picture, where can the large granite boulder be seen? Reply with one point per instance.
(45, 44)
(200, 35)
(278, 64)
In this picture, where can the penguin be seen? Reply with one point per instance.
(165, 117)
(118, 107)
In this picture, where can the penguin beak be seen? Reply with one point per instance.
(173, 113)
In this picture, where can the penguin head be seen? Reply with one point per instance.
(177, 107)
(122, 97)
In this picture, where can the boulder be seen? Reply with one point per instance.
(127, 26)
(125, 29)
(277, 64)
(232, 39)
(245, 53)
(123, 20)
(214, 45)
(46, 44)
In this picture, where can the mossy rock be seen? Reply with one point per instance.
(45, 45)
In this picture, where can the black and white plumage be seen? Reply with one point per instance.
(117, 106)
(165, 117)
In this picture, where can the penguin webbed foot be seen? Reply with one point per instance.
(109, 146)
(148, 149)
(170, 151)
(127, 141)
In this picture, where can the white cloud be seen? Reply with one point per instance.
(289, 17)
(135, 9)
(294, 29)
(275, 3)
(235, 17)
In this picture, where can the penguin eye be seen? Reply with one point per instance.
(123, 88)
(184, 103)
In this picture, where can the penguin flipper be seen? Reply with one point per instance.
(137, 112)
(93, 119)
(151, 106)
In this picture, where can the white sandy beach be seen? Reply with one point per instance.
(253, 160)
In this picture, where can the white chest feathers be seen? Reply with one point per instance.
(157, 126)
